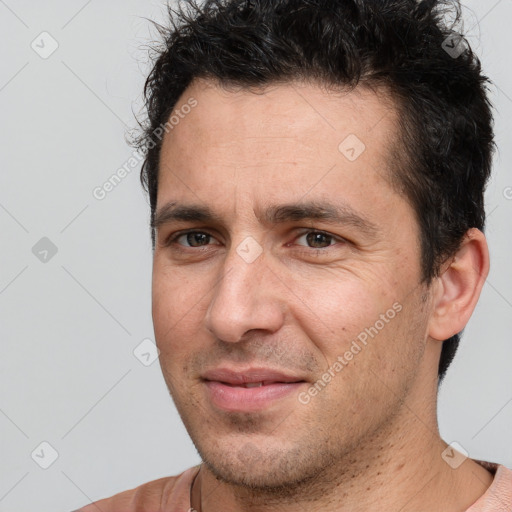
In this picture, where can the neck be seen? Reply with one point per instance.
(398, 467)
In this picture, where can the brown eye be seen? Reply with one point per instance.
(197, 239)
(191, 239)
(317, 239)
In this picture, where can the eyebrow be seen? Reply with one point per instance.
(329, 213)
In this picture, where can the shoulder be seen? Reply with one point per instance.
(154, 496)
(499, 495)
(146, 496)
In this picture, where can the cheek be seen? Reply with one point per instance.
(177, 310)
(174, 291)
(357, 325)
(334, 307)
(394, 343)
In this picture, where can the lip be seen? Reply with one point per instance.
(239, 377)
(226, 388)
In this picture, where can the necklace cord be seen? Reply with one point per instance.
(192, 509)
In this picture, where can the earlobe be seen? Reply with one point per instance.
(458, 286)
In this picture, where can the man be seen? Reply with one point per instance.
(316, 173)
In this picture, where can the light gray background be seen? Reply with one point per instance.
(68, 375)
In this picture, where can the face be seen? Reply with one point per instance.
(286, 297)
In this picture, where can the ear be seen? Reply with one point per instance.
(458, 287)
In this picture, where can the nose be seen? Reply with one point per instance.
(244, 299)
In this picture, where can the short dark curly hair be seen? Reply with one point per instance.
(445, 140)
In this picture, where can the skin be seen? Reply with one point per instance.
(371, 435)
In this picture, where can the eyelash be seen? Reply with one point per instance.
(172, 240)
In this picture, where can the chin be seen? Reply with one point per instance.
(268, 471)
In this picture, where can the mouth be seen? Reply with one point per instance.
(254, 384)
(250, 390)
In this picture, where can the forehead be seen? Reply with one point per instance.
(284, 113)
(284, 142)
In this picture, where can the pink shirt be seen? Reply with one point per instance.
(498, 497)
(172, 494)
